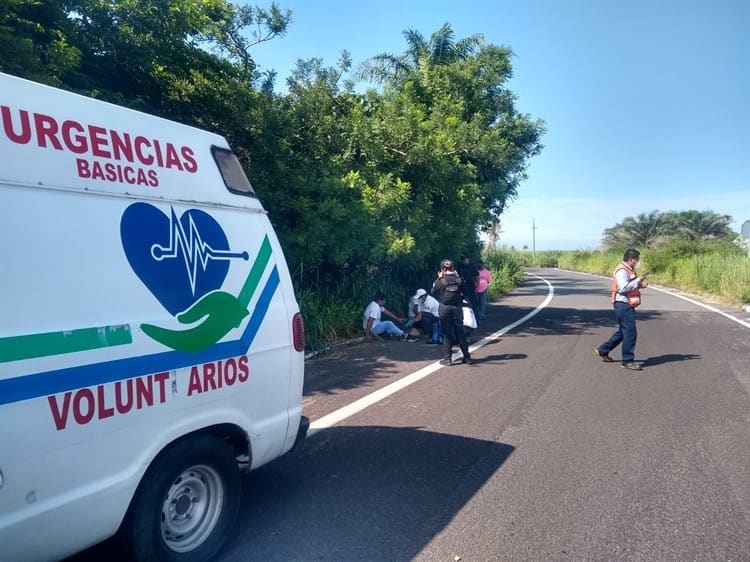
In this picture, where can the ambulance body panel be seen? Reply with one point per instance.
(145, 302)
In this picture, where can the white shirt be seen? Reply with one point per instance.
(625, 284)
(373, 310)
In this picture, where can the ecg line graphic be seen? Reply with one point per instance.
(192, 247)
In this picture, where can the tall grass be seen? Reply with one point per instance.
(329, 317)
(710, 267)
(547, 258)
(507, 271)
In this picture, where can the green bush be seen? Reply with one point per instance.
(507, 271)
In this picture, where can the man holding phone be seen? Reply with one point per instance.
(626, 296)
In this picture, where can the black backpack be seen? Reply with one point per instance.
(450, 290)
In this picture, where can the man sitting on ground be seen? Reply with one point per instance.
(374, 326)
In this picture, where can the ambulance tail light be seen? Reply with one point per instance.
(298, 332)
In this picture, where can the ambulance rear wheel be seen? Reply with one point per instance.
(186, 504)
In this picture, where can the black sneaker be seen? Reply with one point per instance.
(605, 356)
(466, 360)
(406, 337)
(446, 362)
(632, 366)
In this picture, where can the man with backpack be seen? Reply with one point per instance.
(447, 289)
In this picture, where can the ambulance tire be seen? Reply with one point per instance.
(186, 503)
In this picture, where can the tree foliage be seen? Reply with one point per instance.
(379, 184)
(656, 229)
(445, 127)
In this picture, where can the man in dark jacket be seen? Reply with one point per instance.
(469, 273)
(447, 289)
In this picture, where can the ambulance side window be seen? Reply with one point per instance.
(231, 171)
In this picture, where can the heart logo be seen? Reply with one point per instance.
(179, 259)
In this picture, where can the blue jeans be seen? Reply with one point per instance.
(481, 304)
(626, 333)
(386, 326)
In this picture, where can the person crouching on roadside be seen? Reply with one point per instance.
(427, 315)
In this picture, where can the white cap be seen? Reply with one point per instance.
(420, 293)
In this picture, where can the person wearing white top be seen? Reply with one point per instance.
(374, 326)
(425, 315)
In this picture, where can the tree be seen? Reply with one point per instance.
(153, 56)
(447, 133)
(35, 40)
(301, 171)
(655, 229)
(702, 225)
(441, 49)
(642, 231)
(387, 182)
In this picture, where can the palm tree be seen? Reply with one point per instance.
(696, 225)
(493, 234)
(643, 231)
(421, 55)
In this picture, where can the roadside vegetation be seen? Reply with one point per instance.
(367, 191)
(367, 187)
(717, 268)
(694, 251)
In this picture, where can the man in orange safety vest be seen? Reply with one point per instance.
(626, 296)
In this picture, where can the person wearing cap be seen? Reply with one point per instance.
(424, 314)
(415, 307)
(374, 326)
(447, 289)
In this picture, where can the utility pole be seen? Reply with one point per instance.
(533, 241)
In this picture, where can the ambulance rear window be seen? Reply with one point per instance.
(231, 171)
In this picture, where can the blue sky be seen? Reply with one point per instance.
(647, 103)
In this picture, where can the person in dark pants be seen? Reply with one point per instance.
(469, 274)
(447, 289)
(626, 296)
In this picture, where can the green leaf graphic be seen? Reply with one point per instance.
(220, 311)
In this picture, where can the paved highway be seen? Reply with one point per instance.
(538, 451)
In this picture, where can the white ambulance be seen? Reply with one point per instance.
(151, 345)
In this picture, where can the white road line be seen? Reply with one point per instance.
(366, 401)
(692, 301)
(706, 306)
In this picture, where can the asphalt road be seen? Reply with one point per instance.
(538, 451)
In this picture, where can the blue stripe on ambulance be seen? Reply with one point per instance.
(61, 380)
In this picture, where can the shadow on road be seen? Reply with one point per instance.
(572, 321)
(500, 357)
(669, 358)
(353, 493)
(361, 493)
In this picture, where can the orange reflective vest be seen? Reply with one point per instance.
(634, 296)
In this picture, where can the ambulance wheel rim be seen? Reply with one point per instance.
(191, 508)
